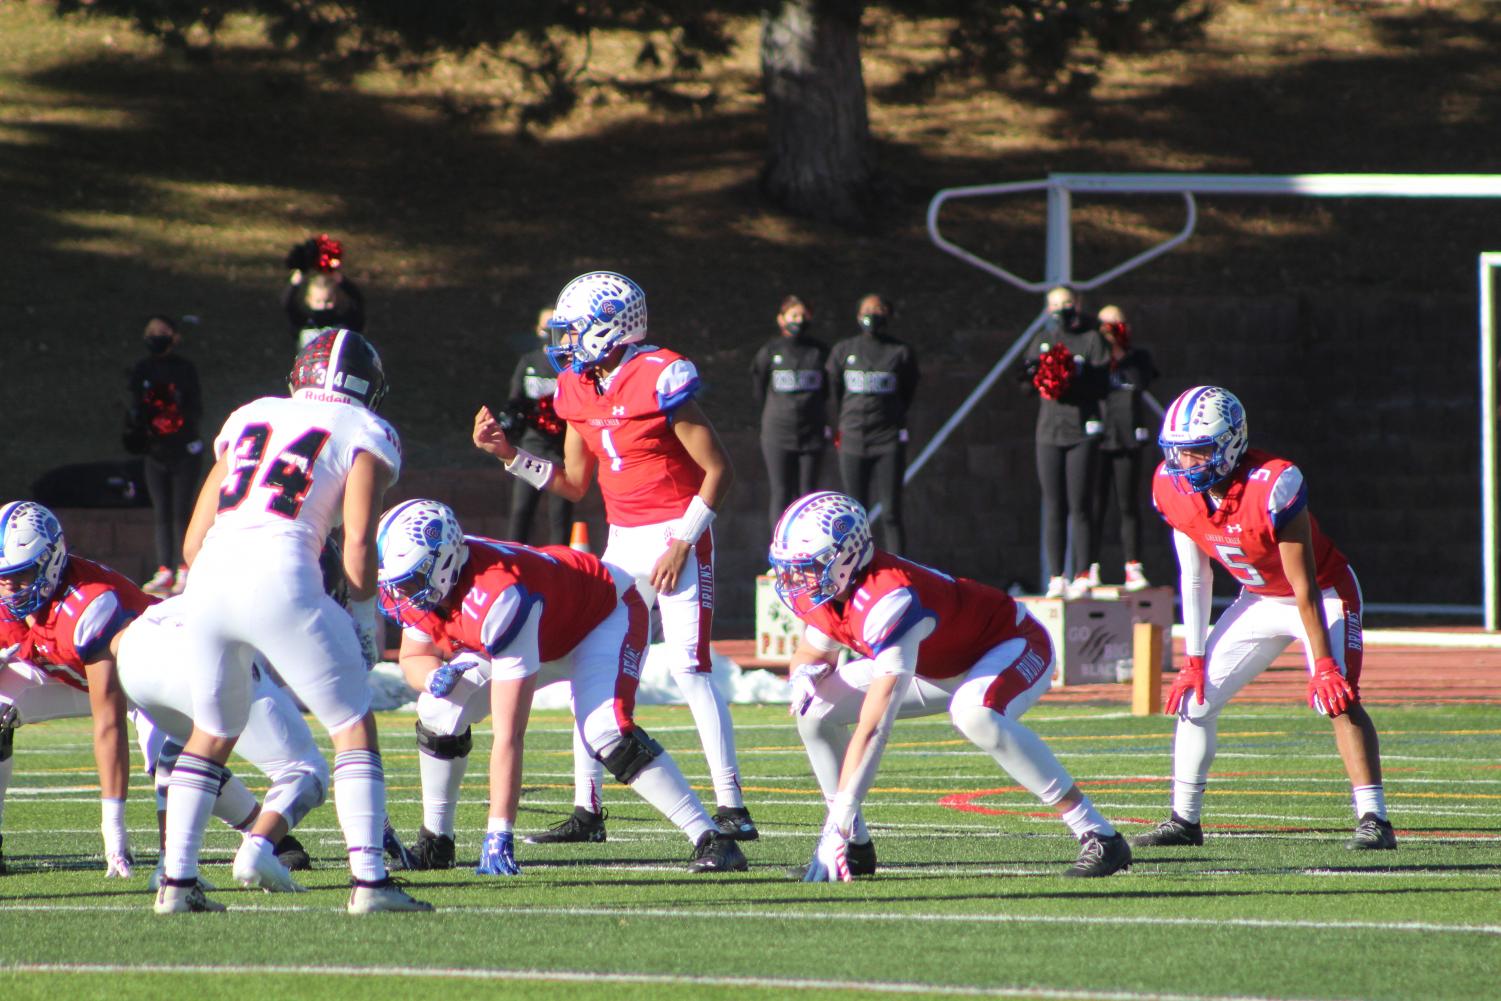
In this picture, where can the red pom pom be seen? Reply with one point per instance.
(330, 252)
(545, 418)
(1055, 372)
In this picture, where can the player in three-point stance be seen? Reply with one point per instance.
(287, 471)
(485, 622)
(1248, 509)
(60, 622)
(662, 471)
(927, 642)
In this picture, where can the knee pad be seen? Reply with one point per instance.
(634, 752)
(439, 745)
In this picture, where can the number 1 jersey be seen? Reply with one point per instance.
(288, 459)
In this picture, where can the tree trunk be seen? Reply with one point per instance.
(818, 136)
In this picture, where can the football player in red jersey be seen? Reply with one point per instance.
(60, 623)
(484, 623)
(663, 472)
(927, 643)
(1248, 509)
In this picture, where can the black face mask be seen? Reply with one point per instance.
(159, 344)
(793, 327)
(873, 323)
(1066, 315)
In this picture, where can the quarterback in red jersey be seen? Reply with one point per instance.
(60, 623)
(1248, 509)
(485, 622)
(927, 642)
(663, 472)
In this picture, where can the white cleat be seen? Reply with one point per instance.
(160, 873)
(387, 895)
(257, 867)
(184, 900)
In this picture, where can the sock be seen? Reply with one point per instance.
(588, 776)
(662, 785)
(1370, 799)
(1188, 799)
(1082, 818)
(1194, 744)
(190, 799)
(716, 732)
(441, 778)
(360, 799)
(497, 824)
(112, 826)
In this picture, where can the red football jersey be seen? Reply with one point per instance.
(51, 643)
(645, 473)
(970, 618)
(577, 593)
(1242, 532)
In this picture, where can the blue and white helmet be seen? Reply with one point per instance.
(596, 312)
(31, 539)
(421, 550)
(1200, 418)
(821, 541)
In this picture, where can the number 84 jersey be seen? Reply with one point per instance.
(1264, 494)
(288, 459)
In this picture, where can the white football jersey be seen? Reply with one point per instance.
(288, 460)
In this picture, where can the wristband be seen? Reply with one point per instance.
(529, 469)
(694, 521)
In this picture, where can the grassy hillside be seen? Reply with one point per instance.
(136, 181)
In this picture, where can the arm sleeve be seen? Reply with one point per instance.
(1196, 588)
(676, 385)
(509, 633)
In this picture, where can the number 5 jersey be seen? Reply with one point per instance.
(1264, 493)
(288, 461)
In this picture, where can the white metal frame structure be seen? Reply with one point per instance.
(1058, 270)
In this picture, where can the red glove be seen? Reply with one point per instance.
(1329, 694)
(1190, 679)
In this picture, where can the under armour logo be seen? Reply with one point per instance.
(617, 411)
(1234, 528)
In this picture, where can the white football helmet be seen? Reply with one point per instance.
(821, 541)
(596, 313)
(1205, 417)
(31, 539)
(421, 550)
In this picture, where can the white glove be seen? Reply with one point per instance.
(804, 682)
(365, 625)
(118, 866)
(829, 863)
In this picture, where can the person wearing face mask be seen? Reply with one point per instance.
(788, 384)
(873, 378)
(530, 405)
(319, 294)
(1128, 427)
(162, 418)
(1068, 366)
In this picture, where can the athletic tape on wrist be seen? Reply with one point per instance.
(529, 469)
(694, 521)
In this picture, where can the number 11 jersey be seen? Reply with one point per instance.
(288, 460)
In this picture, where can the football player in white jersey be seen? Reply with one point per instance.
(286, 471)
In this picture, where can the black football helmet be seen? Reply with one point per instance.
(340, 361)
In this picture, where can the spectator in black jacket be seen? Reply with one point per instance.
(529, 411)
(318, 293)
(1128, 429)
(1068, 365)
(789, 385)
(873, 378)
(165, 410)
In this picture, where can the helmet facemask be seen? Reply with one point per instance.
(819, 545)
(596, 313)
(1205, 418)
(421, 550)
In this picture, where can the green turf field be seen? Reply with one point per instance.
(968, 902)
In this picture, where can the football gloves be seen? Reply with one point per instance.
(830, 862)
(498, 856)
(1190, 679)
(1329, 694)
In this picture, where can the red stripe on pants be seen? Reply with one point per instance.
(1013, 681)
(1349, 594)
(631, 660)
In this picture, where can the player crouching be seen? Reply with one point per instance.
(484, 623)
(927, 642)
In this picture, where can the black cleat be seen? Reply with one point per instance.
(1373, 834)
(860, 856)
(735, 822)
(290, 853)
(1174, 832)
(432, 851)
(717, 853)
(398, 855)
(1100, 856)
(580, 826)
